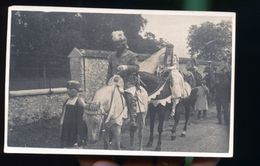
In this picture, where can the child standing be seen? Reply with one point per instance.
(201, 104)
(73, 128)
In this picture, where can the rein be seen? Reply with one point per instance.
(139, 105)
(110, 105)
(111, 102)
(93, 112)
(122, 101)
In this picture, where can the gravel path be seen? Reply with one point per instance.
(202, 136)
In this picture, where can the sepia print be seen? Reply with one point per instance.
(119, 82)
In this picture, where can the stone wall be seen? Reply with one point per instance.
(25, 109)
(89, 67)
(76, 69)
(95, 75)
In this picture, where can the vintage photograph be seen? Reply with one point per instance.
(119, 82)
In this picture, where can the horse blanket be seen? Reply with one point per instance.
(177, 84)
(142, 98)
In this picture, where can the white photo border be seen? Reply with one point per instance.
(26, 150)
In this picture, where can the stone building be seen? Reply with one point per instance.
(89, 67)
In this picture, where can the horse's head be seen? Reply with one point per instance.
(93, 117)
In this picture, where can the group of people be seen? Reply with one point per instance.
(213, 89)
(124, 63)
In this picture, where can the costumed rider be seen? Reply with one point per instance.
(177, 82)
(124, 63)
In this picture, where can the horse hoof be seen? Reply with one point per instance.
(173, 137)
(183, 134)
(148, 145)
(158, 148)
(122, 146)
(131, 148)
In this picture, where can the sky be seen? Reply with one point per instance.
(174, 28)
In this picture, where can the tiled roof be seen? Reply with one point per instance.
(96, 53)
(101, 54)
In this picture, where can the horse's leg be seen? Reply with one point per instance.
(161, 111)
(176, 120)
(106, 138)
(132, 135)
(110, 137)
(152, 113)
(140, 123)
(188, 109)
(116, 131)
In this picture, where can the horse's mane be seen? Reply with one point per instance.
(150, 81)
(148, 75)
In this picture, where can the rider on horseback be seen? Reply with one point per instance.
(171, 63)
(124, 63)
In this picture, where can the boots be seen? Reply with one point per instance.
(132, 109)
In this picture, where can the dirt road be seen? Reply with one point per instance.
(202, 136)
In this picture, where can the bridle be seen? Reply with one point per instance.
(100, 112)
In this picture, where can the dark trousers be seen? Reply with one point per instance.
(131, 106)
(223, 106)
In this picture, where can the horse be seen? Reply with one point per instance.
(162, 103)
(107, 112)
(185, 105)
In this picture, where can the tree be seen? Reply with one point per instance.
(43, 40)
(210, 41)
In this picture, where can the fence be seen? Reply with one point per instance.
(32, 72)
(35, 73)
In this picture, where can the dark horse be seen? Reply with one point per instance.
(152, 83)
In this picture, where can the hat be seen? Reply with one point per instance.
(118, 36)
(72, 84)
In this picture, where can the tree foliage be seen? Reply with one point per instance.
(46, 38)
(210, 41)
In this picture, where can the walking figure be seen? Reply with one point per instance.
(201, 104)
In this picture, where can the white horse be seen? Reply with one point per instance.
(108, 110)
